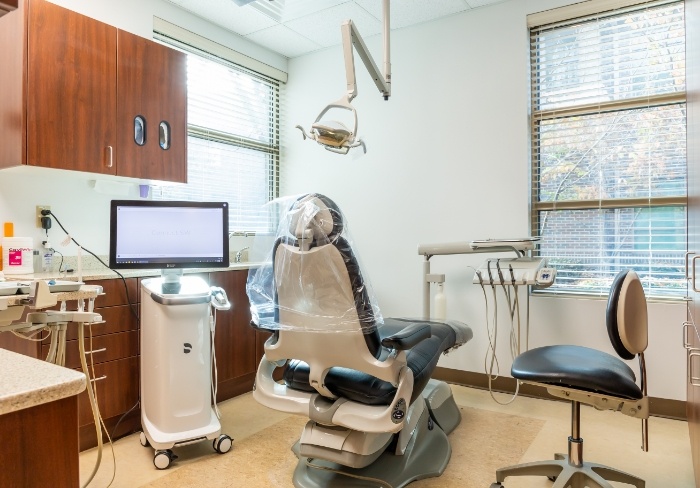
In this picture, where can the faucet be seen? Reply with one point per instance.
(239, 255)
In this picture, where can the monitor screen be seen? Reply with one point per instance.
(162, 235)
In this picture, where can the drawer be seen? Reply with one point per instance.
(114, 292)
(109, 347)
(116, 319)
(117, 389)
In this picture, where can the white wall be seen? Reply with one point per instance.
(71, 195)
(448, 160)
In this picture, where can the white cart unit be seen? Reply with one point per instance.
(176, 367)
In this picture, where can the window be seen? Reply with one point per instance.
(233, 138)
(608, 148)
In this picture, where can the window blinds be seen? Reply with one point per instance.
(233, 118)
(608, 148)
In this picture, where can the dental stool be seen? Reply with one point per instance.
(375, 416)
(592, 377)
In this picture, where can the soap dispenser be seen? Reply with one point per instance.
(440, 303)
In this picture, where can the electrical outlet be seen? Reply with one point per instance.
(39, 208)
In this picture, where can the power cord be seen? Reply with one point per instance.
(47, 212)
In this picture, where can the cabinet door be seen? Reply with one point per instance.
(152, 85)
(692, 33)
(12, 108)
(235, 342)
(71, 90)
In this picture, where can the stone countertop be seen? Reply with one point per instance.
(103, 273)
(27, 382)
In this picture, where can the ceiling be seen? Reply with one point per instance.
(296, 27)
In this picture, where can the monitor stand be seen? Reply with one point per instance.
(171, 281)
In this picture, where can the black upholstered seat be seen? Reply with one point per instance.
(363, 388)
(577, 367)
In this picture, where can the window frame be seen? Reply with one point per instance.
(273, 150)
(551, 20)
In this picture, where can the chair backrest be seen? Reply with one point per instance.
(626, 315)
(324, 311)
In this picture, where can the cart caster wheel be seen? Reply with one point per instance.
(143, 440)
(222, 444)
(162, 459)
(497, 485)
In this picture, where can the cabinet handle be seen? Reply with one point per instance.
(692, 269)
(164, 135)
(140, 130)
(687, 254)
(95, 380)
(110, 159)
(96, 351)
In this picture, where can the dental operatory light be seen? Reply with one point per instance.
(332, 134)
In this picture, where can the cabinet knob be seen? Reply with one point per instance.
(109, 156)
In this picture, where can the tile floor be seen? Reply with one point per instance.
(610, 438)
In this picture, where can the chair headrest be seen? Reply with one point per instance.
(626, 315)
(315, 216)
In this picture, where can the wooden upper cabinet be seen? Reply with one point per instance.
(7, 5)
(152, 109)
(71, 90)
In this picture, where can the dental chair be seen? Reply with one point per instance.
(375, 416)
(592, 377)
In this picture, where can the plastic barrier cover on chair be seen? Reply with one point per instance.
(323, 289)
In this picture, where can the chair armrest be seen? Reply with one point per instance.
(408, 337)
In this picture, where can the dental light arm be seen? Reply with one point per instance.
(333, 135)
(352, 38)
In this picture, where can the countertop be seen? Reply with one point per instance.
(27, 382)
(103, 273)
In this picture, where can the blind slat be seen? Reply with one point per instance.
(609, 184)
(233, 141)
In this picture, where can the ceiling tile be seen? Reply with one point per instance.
(299, 8)
(409, 12)
(323, 27)
(284, 41)
(241, 20)
(482, 3)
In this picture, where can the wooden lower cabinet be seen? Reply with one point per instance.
(44, 438)
(117, 388)
(235, 343)
(114, 351)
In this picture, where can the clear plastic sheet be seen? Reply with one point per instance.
(311, 278)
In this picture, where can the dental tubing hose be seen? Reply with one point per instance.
(93, 402)
(512, 299)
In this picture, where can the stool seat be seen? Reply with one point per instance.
(577, 367)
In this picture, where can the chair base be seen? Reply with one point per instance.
(588, 475)
(426, 456)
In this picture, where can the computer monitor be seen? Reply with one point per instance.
(168, 235)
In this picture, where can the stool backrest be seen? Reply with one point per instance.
(626, 315)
